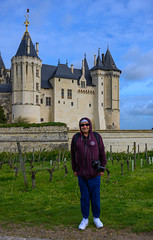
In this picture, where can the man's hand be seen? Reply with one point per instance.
(75, 173)
(101, 174)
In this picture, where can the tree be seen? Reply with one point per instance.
(2, 115)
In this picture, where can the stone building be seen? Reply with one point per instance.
(47, 93)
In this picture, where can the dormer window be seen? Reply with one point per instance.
(82, 84)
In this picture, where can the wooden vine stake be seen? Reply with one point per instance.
(134, 147)
(146, 153)
(22, 165)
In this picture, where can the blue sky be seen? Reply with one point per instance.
(66, 30)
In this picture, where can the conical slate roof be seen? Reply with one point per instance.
(87, 72)
(22, 50)
(1, 62)
(109, 62)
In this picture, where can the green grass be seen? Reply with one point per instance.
(126, 201)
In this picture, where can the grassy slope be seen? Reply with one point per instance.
(126, 201)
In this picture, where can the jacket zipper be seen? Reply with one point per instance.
(85, 142)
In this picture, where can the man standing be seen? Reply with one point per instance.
(84, 150)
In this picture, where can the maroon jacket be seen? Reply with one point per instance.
(84, 151)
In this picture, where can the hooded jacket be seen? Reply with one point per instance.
(85, 151)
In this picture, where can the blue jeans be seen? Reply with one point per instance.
(90, 191)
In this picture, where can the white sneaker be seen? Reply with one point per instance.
(84, 223)
(98, 223)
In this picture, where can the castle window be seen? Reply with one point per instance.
(102, 84)
(72, 104)
(82, 84)
(59, 79)
(72, 81)
(59, 102)
(48, 101)
(102, 104)
(41, 119)
(101, 92)
(26, 68)
(37, 86)
(37, 72)
(37, 99)
(41, 101)
(16, 69)
(62, 93)
(89, 104)
(8, 116)
(69, 93)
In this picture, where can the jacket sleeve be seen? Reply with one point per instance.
(102, 155)
(73, 156)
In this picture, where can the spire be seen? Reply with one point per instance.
(1, 62)
(87, 72)
(26, 23)
(26, 47)
(99, 62)
(109, 61)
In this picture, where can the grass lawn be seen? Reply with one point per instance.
(126, 201)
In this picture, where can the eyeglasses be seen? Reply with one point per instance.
(84, 124)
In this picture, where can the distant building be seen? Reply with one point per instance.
(47, 93)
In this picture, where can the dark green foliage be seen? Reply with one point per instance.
(28, 125)
(2, 115)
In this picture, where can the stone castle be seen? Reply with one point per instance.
(47, 93)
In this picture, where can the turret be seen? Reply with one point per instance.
(97, 74)
(26, 80)
(111, 101)
(105, 76)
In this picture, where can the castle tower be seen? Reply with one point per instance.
(26, 80)
(105, 76)
(111, 92)
(97, 74)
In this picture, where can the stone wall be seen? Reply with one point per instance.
(49, 137)
(46, 137)
(120, 139)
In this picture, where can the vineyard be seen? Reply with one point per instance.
(39, 188)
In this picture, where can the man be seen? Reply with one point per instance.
(84, 150)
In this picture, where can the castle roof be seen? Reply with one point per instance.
(87, 73)
(1, 62)
(46, 73)
(22, 50)
(5, 88)
(63, 71)
(107, 64)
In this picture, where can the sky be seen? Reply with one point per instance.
(66, 30)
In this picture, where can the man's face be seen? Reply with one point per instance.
(85, 127)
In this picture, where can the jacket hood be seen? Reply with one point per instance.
(90, 124)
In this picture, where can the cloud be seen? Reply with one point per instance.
(141, 66)
(142, 109)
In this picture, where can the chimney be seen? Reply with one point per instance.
(94, 60)
(103, 58)
(72, 68)
(37, 48)
(28, 50)
(83, 70)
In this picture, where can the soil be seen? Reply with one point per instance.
(61, 233)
